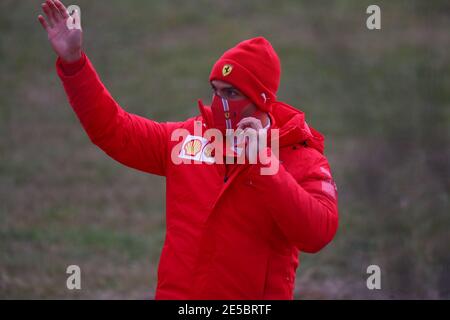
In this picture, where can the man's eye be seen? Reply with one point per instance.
(232, 93)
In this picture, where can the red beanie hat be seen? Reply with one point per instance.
(254, 68)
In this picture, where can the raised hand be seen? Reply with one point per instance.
(66, 42)
(249, 129)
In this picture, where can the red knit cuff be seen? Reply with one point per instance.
(70, 68)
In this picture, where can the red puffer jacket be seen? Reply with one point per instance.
(231, 233)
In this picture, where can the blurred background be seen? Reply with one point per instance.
(381, 98)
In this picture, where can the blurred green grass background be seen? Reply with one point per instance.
(381, 98)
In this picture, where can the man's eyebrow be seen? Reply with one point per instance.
(226, 87)
(230, 88)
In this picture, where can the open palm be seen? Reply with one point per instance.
(66, 42)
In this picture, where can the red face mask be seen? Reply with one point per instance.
(226, 114)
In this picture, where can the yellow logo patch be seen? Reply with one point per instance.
(226, 70)
(208, 151)
(198, 149)
(193, 147)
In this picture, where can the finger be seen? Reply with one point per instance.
(48, 14)
(55, 12)
(251, 144)
(247, 136)
(250, 132)
(250, 122)
(62, 9)
(243, 123)
(43, 23)
(244, 127)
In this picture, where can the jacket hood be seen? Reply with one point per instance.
(293, 127)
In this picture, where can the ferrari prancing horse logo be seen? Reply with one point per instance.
(226, 70)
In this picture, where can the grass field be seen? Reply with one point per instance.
(381, 98)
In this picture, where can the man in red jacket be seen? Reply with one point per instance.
(231, 231)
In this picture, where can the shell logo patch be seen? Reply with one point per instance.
(193, 147)
(208, 151)
(226, 70)
(197, 148)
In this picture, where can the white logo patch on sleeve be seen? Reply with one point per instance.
(329, 187)
(325, 171)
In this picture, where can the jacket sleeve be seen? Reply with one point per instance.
(305, 211)
(130, 139)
